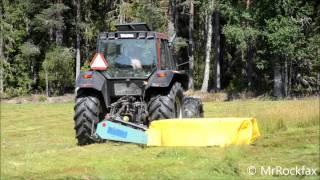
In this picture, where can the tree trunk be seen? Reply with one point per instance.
(1, 50)
(249, 54)
(247, 4)
(59, 37)
(86, 44)
(1, 65)
(78, 60)
(285, 78)
(47, 84)
(121, 16)
(249, 65)
(176, 14)
(171, 19)
(318, 82)
(51, 34)
(34, 72)
(204, 87)
(191, 46)
(58, 30)
(277, 80)
(289, 78)
(217, 51)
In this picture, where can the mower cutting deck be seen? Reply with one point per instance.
(183, 132)
(116, 129)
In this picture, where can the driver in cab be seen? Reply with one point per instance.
(135, 59)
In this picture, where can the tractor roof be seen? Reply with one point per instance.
(132, 31)
(133, 27)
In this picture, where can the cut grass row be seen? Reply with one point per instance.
(37, 142)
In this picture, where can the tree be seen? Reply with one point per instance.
(172, 18)
(209, 11)
(52, 21)
(13, 75)
(29, 54)
(250, 41)
(1, 47)
(191, 44)
(78, 16)
(217, 81)
(58, 70)
(259, 46)
(241, 33)
(281, 34)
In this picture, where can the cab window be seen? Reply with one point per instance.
(165, 56)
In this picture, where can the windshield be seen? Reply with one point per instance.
(129, 57)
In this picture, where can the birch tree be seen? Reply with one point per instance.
(78, 16)
(204, 87)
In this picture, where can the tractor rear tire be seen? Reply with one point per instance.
(167, 106)
(88, 111)
(192, 108)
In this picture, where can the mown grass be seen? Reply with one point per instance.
(37, 142)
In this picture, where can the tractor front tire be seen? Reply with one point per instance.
(88, 111)
(168, 105)
(192, 108)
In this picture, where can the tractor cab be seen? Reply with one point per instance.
(134, 51)
(132, 61)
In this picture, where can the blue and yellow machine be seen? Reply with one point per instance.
(133, 75)
(182, 132)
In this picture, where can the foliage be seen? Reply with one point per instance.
(17, 82)
(42, 98)
(281, 34)
(59, 65)
(284, 32)
(180, 43)
(51, 18)
(86, 66)
(151, 13)
(28, 49)
(240, 36)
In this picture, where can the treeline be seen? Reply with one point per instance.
(263, 47)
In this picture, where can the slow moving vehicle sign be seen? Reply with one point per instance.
(99, 62)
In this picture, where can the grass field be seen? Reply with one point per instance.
(37, 142)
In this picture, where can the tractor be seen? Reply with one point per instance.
(133, 77)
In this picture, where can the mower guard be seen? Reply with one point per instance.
(203, 132)
(118, 132)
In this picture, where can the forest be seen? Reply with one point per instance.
(269, 47)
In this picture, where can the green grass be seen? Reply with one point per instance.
(37, 142)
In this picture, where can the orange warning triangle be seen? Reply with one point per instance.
(99, 62)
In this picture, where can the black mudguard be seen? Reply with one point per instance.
(97, 82)
(164, 78)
